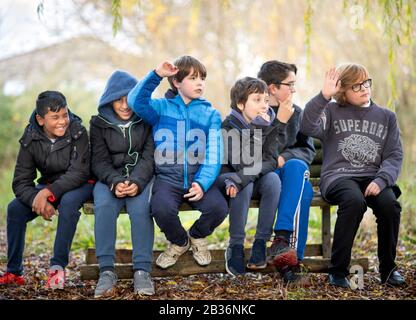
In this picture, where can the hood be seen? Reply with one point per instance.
(118, 85)
(178, 101)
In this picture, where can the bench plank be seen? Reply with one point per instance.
(317, 201)
(186, 267)
(125, 255)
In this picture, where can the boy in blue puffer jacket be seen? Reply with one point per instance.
(188, 142)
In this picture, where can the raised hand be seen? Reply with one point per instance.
(195, 192)
(331, 84)
(286, 109)
(166, 69)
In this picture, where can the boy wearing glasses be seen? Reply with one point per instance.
(293, 156)
(361, 162)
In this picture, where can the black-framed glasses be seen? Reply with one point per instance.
(366, 84)
(291, 85)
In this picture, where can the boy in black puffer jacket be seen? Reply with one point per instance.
(123, 161)
(56, 144)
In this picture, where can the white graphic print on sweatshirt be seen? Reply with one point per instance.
(359, 150)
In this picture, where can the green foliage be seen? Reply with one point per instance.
(116, 12)
(408, 203)
(9, 130)
(307, 20)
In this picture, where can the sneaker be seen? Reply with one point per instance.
(56, 278)
(143, 284)
(394, 279)
(200, 251)
(282, 255)
(234, 260)
(106, 284)
(292, 274)
(258, 255)
(169, 257)
(11, 279)
(338, 281)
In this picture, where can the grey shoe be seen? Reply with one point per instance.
(143, 284)
(106, 284)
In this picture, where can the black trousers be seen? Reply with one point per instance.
(165, 203)
(348, 194)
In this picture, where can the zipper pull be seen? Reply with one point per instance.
(74, 153)
(123, 129)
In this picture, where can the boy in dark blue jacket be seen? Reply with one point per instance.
(56, 144)
(186, 130)
(249, 132)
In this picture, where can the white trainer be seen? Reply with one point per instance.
(169, 257)
(200, 251)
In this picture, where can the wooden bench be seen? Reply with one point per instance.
(317, 256)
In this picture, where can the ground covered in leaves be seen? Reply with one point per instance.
(215, 286)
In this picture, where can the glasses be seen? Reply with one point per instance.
(366, 84)
(291, 85)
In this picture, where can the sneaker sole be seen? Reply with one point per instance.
(202, 264)
(226, 265)
(58, 287)
(107, 294)
(11, 285)
(256, 267)
(145, 293)
(228, 270)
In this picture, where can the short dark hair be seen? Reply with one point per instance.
(243, 88)
(185, 64)
(49, 100)
(274, 72)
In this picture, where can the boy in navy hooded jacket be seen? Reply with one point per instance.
(122, 160)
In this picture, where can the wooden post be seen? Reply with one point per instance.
(326, 231)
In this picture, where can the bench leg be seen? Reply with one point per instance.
(326, 231)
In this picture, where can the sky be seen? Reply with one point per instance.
(21, 30)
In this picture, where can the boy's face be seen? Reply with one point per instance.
(191, 87)
(256, 104)
(121, 108)
(54, 123)
(287, 88)
(357, 94)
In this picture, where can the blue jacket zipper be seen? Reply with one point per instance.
(185, 183)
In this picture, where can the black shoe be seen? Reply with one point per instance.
(258, 255)
(292, 274)
(395, 279)
(338, 281)
(234, 260)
